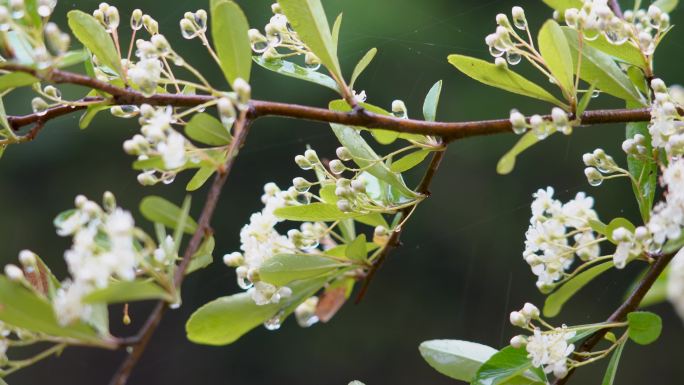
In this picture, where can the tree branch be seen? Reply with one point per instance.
(615, 6)
(620, 314)
(140, 341)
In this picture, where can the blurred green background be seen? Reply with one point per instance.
(460, 270)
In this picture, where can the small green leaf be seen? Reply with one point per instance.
(509, 365)
(457, 359)
(224, 320)
(556, 53)
(336, 30)
(373, 220)
(229, 32)
(586, 99)
(645, 172)
(200, 178)
(127, 291)
(615, 224)
(409, 161)
(598, 67)
(159, 210)
(598, 226)
(203, 257)
(501, 77)
(282, 269)
(24, 309)
(432, 101)
(644, 327)
(296, 71)
(206, 129)
(562, 5)
(314, 212)
(93, 36)
(366, 158)
(356, 250)
(72, 58)
(666, 5)
(626, 52)
(341, 250)
(362, 64)
(90, 113)
(507, 162)
(554, 302)
(609, 377)
(308, 19)
(15, 80)
(658, 292)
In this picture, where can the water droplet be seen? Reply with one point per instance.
(289, 27)
(174, 305)
(616, 38)
(260, 46)
(168, 178)
(520, 24)
(591, 34)
(275, 39)
(177, 60)
(513, 58)
(649, 50)
(595, 182)
(495, 51)
(304, 198)
(596, 93)
(275, 322)
(129, 349)
(313, 66)
(244, 283)
(39, 106)
(44, 10)
(17, 9)
(128, 111)
(519, 130)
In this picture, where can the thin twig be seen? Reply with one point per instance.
(630, 305)
(394, 239)
(139, 343)
(615, 6)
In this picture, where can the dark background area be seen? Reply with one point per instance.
(460, 271)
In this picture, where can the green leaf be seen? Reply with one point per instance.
(666, 5)
(336, 30)
(90, 113)
(501, 77)
(554, 302)
(658, 292)
(598, 226)
(341, 250)
(609, 377)
(313, 212)
(509, 365)
(362, 64)
(372, 219)
(282, 269)
(562, 5)
(507, 161)
(229, 32)
(598, 67)
(128, 291)
(200, 178)
(296, 71)
(159, 210)
(224, 320)
(15, 80)
(206, 129)
(203, 257)
(554, 49)
(644, 327)
(72, 58)
(431, 102)
(366, 158)
(645, 172)
(457, 359)
(409, 161)
(93, 36)
(626, 52)
(308, 19)
(615, 224)
(21, 48)
(356, 250)
(24, 309)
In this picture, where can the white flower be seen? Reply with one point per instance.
(173, 150)
(146, 75)
(68, 305)
(550, 350)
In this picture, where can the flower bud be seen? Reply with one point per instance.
(337, 167)
(136, 19)
(311, 156)
(147, 179)
(399, 109)
(150, 24)
(530, 311)
(275, 8)
(343, 153)
(621, 234)
(302, 162)
(243, 90)
(109, 201)
(517, 319)
(27, 258)
(344, 205)
(518, 342)
(14, 273)
(233, 259)
(594, 177)
(301, 184)
(658, 85)
(226, 111)
(518, 122)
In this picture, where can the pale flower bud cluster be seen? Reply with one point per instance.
(158, 139)
(541, 127)
(260, 241)
(549, 248)
(599, 164)
(108, 16)
(635, 146)
(666, 126)
(501, 41)
(104, 247)
(193, 24)
(278, 34)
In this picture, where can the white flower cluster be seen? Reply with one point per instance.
(103, 248)
(547, 349)
(666, 127)
(158, 139)
(260, 241)
(599, 166)
(193, 24)
(503, 40)
(548, 249)
(541, 127)
(642, 28)
(279, 34)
